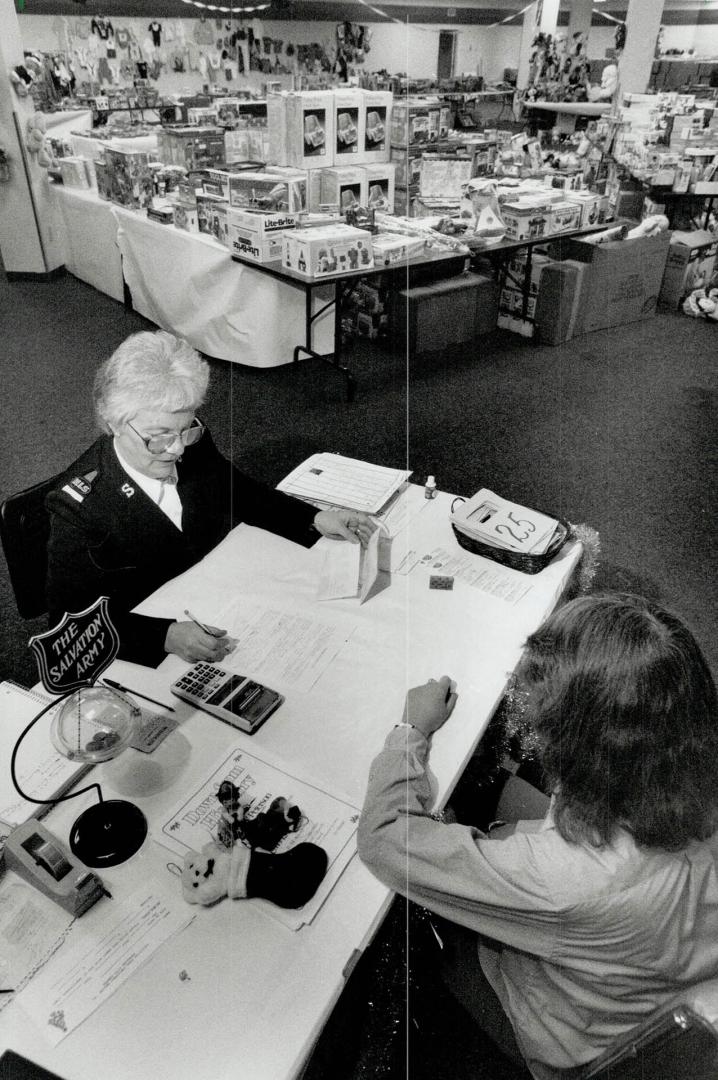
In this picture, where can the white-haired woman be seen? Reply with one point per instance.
(153, 495)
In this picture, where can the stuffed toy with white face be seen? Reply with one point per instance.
(288, 880)
(609, 82)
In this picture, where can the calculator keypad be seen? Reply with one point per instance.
(202, 680)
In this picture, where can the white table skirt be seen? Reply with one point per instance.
(90, 239)
(188, 283)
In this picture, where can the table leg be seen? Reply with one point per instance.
(309, 319)
(527, 283)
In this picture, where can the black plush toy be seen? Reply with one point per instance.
(265, 830)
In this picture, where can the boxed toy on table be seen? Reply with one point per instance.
(327, 250)
(191, 147)
(265, 224)
(267, 191)
(247, 144)
(202, 116)
(248, 240)
(380, 187)
(184, 204)
(130, 178)
(525, 221)
(301, 128)
(216, 181)
(591, 205)
(407, 165)
(564, 217)
(391, 248)
(349, 118)
(442, 175)
(376, 107)
(102, 178)
(212, 216)
(75, 172)
(338, 189)
(415, 121)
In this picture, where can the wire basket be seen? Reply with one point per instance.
(517, 560)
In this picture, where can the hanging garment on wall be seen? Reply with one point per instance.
(102, 27)
(122, 37)
(127, 70)
(203, 66)
(81, 29)
(103, 70)
(142, 68)
(203, 32)
(111, 52)
(156, 69)
(155, 29)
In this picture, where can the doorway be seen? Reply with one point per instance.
(447, 54)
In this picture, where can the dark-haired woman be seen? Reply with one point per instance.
(573, 929)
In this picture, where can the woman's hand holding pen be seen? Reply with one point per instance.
(193, 642)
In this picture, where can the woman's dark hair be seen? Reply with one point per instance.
(626, 712)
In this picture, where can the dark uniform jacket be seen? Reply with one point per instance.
(108, 538)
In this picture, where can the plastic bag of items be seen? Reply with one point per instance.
(480, 206)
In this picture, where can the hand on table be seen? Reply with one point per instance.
(187, 640)
(429, 706)
(352, 525)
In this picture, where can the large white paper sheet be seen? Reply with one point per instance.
(341, 481)
(492, 578)
(32, 928)
(99, 956)
(328, 819)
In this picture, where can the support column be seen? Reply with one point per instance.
(30, 242)
(540, 18)
(579, 19)
(643, 21)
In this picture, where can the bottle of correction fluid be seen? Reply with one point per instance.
(430, 488)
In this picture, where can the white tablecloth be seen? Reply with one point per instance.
(90, 239)
(188, 283)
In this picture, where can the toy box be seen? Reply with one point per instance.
(415, 122)
(376, 108)
(390, 248)
(590, 204)
(191, 147)
(407, 166)
(247, 144)
(267, 191)
(203, 116)
(689, 265)
(212, 217)
(524, 222)
(74, 172)
(246, 245)
(162, 212)
(443, 175)
(380, 187)
(338, 189)
(216, 181)
(301, 128)
(564, 217)
(327, 250)
(102, 177)
(265, 225)
(130, 178)
(349, 118)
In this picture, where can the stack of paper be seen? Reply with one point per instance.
(488, 518)
(331, 480)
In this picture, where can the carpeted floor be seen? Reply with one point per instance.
(616, 429)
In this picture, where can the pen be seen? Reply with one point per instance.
(126, 690)
(196, 621)
(7, 991)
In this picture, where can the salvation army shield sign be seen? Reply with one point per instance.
(76, 651)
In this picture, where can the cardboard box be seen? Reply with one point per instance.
(415, 122)
(74, 172)
(524, 222)
(590, 205)
(511, 295)
(301, 128)
(185, 217)
(407, 167)
(216, 181)
(455, 311)
(267, 191)
(337, 189)
(102, 177)
(249, 144)
(391, 248)
(264, 224)
(623, 280)
(191, 147)
(376, 108)
(327, 250)
(212, 217)
(244, 243)
(380, 187)
(564, 217)
(349, 118)
(690, 265)
(559, 300)
(443, 175)
(130, 178)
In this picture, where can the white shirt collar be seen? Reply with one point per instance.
(149, 484)
(171, 504)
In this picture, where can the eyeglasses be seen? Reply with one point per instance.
(159, 444)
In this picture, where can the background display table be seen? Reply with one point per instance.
(90, 238)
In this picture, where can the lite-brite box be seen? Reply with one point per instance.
(376, 107)
(442, 175)
(212, 217)
(340, 189)
(301, 128)
(267, 191)
(524, 222)
(327, 250)
(129, 177)
(390, 248)
(380, 187)
(563, 217)
(264, 224)
(348, 132)
(191, 147)
(246, 245)
(415, 121)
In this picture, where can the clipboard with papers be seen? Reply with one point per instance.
(332, 480)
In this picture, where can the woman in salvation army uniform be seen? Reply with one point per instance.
(153, 495)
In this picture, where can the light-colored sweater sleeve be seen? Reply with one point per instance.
(495, 887)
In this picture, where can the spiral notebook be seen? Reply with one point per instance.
(42, 772)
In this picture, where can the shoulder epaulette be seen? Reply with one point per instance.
(80, 486)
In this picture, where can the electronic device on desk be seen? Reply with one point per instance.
(239, 701)
(40, 859)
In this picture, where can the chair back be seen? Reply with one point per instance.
(24, 531)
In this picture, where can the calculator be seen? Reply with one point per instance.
(239, 701)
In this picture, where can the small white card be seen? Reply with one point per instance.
(339, 575)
